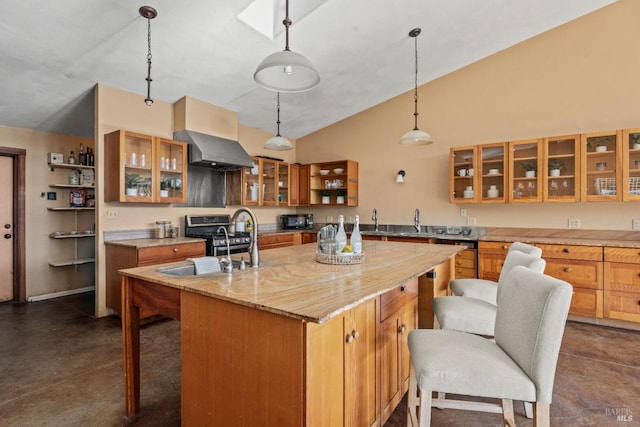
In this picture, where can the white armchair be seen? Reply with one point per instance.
(519, 365)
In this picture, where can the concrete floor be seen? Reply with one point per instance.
(61, 367)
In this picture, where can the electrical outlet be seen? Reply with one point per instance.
(574, 223)
(471, 221)
(112, 213)
(463, 212)
(635, 224)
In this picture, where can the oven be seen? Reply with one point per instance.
(215, 229)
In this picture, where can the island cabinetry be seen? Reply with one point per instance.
(525, 183)
(622, 284)
(463, 181)
(139, 253)
(334, 183)
(602, 166)
(582, 267)
(279, 240)
(561, 169)
(398, 316)
(144, 169)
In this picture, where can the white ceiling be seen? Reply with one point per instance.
(53, 52)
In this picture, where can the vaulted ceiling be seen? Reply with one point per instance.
(53, 53)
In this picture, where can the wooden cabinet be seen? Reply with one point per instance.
(601, 166)
(465, 264)
(144, 169)
(304, 185)
(398, 316)
(622, 284)
(463, 179)
(631, 164)
(493, 173)
(310, 237)
(491, 257)
(294, 185)
(561, 153)
(333, 183)
(279, 240)
(341, 374)
(268, 183)
(129, 254)
(525, 183)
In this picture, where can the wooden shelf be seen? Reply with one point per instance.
(69, 208)
(68, 235)
(90, 187)
(69, 262)
(70, 166)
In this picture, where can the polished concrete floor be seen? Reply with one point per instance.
(61, 367)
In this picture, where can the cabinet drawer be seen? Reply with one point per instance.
(498, 248)
(395, 299)
(270, 241)
(465, 273)
(621, 277)
(170, 253)
(465, 262)
(581, 274)
(622, 255)
(586, 302)
(622, 305)
(586, 253)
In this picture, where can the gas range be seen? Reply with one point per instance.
(209, 227)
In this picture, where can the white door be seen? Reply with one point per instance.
(6, 228)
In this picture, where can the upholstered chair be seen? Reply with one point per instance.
(519, 365)
(487, 289)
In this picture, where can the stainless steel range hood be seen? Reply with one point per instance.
(214, 152)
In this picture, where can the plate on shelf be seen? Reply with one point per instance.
(338, 170)
(324, 171)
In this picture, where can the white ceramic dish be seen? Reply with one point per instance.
(494, 171)
(324, 171)
(338, 170)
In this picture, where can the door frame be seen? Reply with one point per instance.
(19, 256)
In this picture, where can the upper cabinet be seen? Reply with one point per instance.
(268, 183)
(631, 164)
(561, 169)
(493, 173)
(602, 166)
(463, 180)
(334, 183)
(525, 181)
(145, 169)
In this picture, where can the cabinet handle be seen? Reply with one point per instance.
(175, 249)
(350, 339)
(566, 250)
(355, 334)
(505, 247)
(403, 289)
(402, 328)
(567, 270)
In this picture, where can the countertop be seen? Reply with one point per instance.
(149, 243)
(290, 282)
(613, 238)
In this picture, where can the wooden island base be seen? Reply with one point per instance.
(311, 345)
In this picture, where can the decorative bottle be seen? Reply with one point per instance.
(72, 158)
(341, 236)
(81, 155)
(356, 237)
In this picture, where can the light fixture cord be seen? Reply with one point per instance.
(278, 107)
(287, 23)
(415, 94)
(149, 101)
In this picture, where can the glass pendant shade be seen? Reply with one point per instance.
(286, 71)
(278, 143)
(416, 137)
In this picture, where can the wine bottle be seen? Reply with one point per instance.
(341, 236)
(356, 237)
(81, 156)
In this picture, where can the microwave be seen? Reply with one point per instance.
(296, 221)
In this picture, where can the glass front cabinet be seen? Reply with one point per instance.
(493, 173)
(561, 169)
(463, 181)
(524, 166)
(631, 164)
(601, 166)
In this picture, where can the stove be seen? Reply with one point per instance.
(208, 227)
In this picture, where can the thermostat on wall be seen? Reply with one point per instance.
(56, 158)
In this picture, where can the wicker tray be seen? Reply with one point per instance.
(341, 259)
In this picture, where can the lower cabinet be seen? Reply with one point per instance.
(622, 284)
(465, 264)
(279, 240)
(491, 257)
(131, 253)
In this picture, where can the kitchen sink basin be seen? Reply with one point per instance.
(185, 270)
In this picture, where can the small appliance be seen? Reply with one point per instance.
(296, 221)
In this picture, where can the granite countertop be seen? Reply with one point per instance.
(290, 282)
(613, 238)
(149, 243)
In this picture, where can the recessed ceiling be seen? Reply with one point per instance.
(54, 52)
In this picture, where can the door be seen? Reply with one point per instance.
(6, 224)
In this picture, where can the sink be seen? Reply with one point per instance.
(185, 270)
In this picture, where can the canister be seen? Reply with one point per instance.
(159, 229)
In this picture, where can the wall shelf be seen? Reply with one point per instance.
(66, 263)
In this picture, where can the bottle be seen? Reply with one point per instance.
(72, 158)
(143, 160)
(81, 156)
(356, 237)
(341, 235)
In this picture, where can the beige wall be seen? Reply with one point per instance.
(39, 222)
(580, 77)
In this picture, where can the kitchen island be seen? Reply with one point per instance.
(293, 342)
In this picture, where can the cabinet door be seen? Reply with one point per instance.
(561, 169)
(294, 185)
(631, 164)
(269, 177)
(170, 171)
(493, 178)
(601, 166)
(525, 183)
(304, 185)
(128, 167)
(463, 179)
(251, 184)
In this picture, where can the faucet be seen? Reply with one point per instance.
(374, 217)
(228, 264)
(254, 257)
(416, 220)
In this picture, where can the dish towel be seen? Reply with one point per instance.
(205, 265)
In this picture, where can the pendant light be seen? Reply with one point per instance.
(149, 13)
(278, 142)
(416, 136)
(286, 71)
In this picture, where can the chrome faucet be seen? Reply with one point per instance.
(254, 257)
(227, 263)
(416, 220)
(374, 217)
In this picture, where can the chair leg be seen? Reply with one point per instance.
(507, 413)
(541, 414)
(528, 409)
(412, 399)
(441, 396)
(425, 408)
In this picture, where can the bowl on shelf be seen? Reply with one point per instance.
(338, 170)
(324, 171)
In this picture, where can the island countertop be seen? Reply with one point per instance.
(290, 282)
